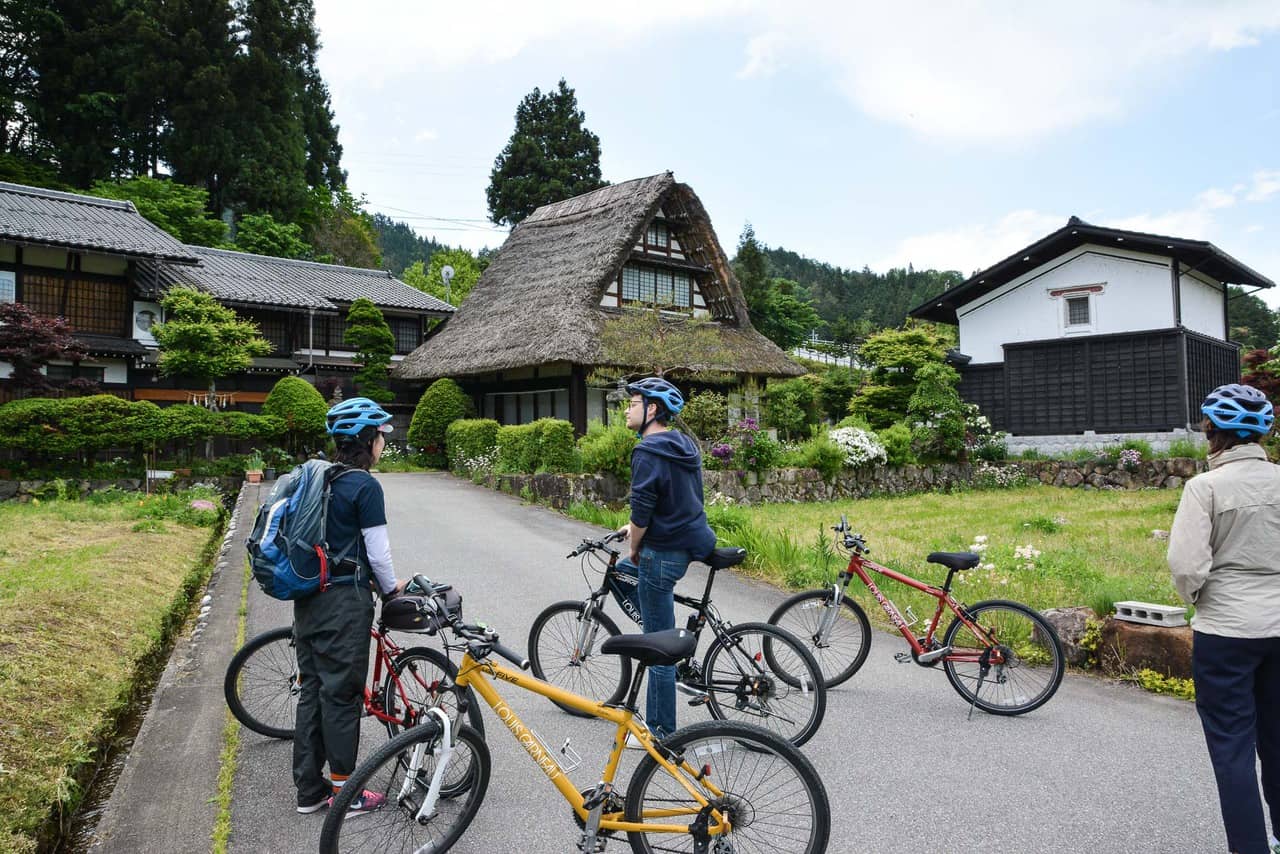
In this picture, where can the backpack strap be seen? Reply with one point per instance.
(331, 474)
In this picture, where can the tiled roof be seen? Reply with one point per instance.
(49, 217)
(263, 280)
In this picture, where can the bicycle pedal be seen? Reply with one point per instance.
(700, 700)
(902, 657)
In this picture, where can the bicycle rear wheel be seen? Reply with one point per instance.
(401, 771)
(426, 679)
(1021, 652)
(554, 639)
(848, 640)
(769, 791)
(261, 685)
(760, 674)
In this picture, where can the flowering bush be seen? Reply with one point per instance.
(860, 447)
(1129, 458)
(988, 476)
(747, 447)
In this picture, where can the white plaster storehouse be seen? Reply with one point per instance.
(1093, 333)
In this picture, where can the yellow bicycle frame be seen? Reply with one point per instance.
(474, 674)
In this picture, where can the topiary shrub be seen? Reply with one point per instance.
(441, 404)
(607, 449)
(471, 443)
(896, 439)
(518, 448)
(820, 453)
(706, 413)
(302, 409)
(557, 450)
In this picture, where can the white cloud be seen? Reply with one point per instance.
(1266, 183)
(762, 56)
(972, 247)
(1214, 198)
(426, 135)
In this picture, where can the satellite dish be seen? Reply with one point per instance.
(446, 273)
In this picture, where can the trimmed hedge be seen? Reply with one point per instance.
(470, 439)
(608, 449)
(441, 404)
(545, 445)
(302, 410)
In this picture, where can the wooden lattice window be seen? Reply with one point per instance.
(651, 286)
(90, 305)
(274, 328)
(407, 332)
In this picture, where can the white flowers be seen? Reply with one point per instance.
(979, 544)
(1025, 556)
(859, 446)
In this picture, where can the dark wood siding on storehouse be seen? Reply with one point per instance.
(1135, 382)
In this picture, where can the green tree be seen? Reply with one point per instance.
(18, 77)
(368, 332)
(466, 272)
(937, 411)
(551, 156)
(28, 342)
(204, 340)
(791, 406)
(1251, 321)
(895, 355)
(263, 235)
(301, 408)
(751, 268)
(400, 245)
(177, 208)
(443, 403)
(645, 341)
(786, 317)
(340, 231)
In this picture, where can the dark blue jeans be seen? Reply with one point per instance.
(1238, 698)
(658, 572)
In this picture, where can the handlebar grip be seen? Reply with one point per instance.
(511, 655)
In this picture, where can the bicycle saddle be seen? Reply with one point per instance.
(955, 560)
(654, 648)
(725, 558)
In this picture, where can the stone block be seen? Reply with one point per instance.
(1134, 646)
(8, 489)
(1070, 625)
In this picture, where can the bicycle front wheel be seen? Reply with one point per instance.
(426, 679)
(1019, 651)
(402, 771)
(261, 685)
(839, 650)
(760, 674)
(564, 649)
(767, 789)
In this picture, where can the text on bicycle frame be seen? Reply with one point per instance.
(528, 741)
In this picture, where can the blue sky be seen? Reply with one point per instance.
(944, 135)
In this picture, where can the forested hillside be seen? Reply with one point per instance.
(402, 246)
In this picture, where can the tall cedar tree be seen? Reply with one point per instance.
(1252, 322)
(368, 332)
(18, 76)
(204, 340)
(28, 342)
(551, 156)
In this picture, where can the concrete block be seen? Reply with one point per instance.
(1151, 614)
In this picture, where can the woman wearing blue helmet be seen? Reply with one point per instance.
(331, 628)
(1224, 553)
(668, 526)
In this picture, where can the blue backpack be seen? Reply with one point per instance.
(288, 551)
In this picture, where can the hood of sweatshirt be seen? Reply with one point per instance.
(674, 446)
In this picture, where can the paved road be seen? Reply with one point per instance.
(1102, 767)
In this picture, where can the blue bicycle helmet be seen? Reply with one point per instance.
(350, 417)
(658, 389)
(1241, 408)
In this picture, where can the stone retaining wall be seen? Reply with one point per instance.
(25, 490)
(805, 485)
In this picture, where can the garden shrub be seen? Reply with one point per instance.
(518, 448)
(791, 406)
(706, 414)
(860, 447)
(819, 452)
(607, 449)
(937, 412)
(746, 448)
(440, 405)
(470, 441)
(896, 439)
(70, 427)
(854, 421)
(1187, 448)
(187, 423)
(835, 391)
(557, 449)
(896, 357)
(302, 409)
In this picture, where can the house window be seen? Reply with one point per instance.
(64, 373)
(650, 286)
(274, 329)
(408, 333)
(93, 306)
(656, 238)
(8, 286)
(1078, 311)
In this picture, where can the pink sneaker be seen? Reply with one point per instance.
(367, 802)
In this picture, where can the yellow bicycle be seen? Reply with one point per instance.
(716, 787)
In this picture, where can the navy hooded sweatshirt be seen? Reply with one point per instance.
(666, 494)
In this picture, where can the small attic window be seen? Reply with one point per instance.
(1078, 310)
(657, 235)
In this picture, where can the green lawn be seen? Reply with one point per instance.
(87, 590)
(1095, 547)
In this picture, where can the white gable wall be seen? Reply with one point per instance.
(1135, 295)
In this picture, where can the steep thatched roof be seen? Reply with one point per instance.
(539, 301)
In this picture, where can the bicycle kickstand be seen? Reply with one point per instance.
(984, 667)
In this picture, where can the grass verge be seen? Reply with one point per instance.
(230, 740)
(1044, 546)
(90, 594)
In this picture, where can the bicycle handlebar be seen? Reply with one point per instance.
(854, 542)
(589, 545)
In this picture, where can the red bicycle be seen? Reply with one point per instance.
(1001, 656)
(262, 687)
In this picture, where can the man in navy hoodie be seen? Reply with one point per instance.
(668, 526)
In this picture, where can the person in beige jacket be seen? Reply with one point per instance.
(1224, 553)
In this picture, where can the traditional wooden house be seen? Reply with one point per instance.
(103, 266)
(528, 336)
(1096, 330)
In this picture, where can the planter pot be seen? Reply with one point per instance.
(182, 472)
(268, 474)
(253, 476)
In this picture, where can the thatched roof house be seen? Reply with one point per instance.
(529, 333)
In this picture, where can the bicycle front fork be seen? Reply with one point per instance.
(831, 612)
(586, 639)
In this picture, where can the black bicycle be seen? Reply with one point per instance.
(752, 672)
